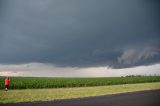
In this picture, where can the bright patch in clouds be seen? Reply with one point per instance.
(3, 73)
(48, 70)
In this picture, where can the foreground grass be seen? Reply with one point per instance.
(26, 95)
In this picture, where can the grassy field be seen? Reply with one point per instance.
(30, 83)
(28, 95)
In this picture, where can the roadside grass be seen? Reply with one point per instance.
(30, 95)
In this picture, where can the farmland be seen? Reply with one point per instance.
(33, 83)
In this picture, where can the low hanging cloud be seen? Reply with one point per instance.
(80, 33)
(133, 56)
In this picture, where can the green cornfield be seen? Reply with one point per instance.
(31, 83)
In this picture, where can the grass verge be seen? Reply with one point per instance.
(28, 95)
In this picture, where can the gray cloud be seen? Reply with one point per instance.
(134, 56)
(80, 33)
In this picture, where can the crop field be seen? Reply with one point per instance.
(33, 83)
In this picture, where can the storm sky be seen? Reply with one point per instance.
(80, 33)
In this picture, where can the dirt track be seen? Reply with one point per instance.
(144, 98)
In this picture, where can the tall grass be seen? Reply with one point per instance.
(29, 83)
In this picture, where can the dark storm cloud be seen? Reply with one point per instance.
(80, 33)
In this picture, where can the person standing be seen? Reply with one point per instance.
(7, 82)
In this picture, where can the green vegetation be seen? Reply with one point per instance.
(27, 95)
(29, 83)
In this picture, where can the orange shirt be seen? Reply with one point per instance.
(7, 82)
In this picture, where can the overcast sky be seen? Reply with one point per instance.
(79, 35)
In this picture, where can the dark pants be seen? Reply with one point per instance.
(6, 86)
